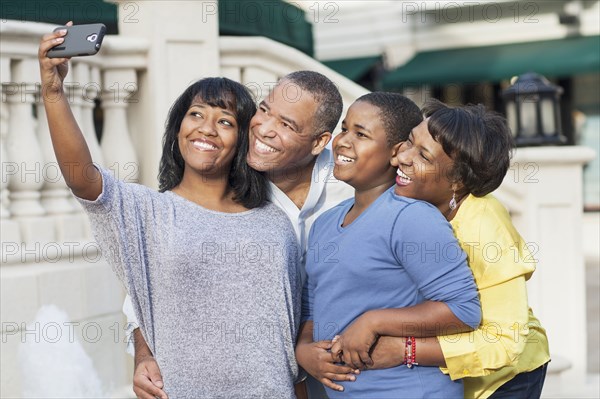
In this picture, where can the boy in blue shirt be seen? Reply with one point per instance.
(377, 260)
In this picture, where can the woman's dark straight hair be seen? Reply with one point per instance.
(249, 186)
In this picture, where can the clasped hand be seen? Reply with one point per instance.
(316, 359)
(354, 345)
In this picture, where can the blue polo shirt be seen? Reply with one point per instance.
(399, 252)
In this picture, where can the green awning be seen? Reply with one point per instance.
(353, 68)
(550, 58)
(60, 12)
(275, 19)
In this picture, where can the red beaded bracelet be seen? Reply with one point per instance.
(410, 352)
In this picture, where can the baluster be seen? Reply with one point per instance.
(89, 89)
(55, 194)
(9, 228)
(56, 197)
(24, 150)
(117, 147)
(72, 88)
(6, 166)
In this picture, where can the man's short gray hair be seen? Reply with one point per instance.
(325, 93)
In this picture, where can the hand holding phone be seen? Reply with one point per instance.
(80, 40)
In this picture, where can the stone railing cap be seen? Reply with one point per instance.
(558, 154)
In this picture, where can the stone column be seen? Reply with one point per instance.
(178, 54)
(543, 190)
(117, 148)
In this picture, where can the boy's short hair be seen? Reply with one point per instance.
(398, 113)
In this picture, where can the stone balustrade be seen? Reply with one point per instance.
(47, 252)
(36, 205)
(258, 63)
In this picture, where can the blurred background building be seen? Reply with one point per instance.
(60, 303)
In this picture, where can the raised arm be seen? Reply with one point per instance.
(71, 150)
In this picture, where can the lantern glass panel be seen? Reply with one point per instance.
(548, 117)
(528, 118)
(511, 116)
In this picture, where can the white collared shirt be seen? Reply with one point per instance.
(325, 192)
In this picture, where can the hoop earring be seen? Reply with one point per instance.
(452, 204)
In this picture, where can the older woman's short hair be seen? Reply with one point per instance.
(479, 142)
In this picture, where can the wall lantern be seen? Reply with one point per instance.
(533, 111)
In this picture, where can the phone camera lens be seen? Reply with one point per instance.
(92, 38)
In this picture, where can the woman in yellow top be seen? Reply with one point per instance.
(454, 159)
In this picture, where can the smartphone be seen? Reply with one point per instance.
(80, 40)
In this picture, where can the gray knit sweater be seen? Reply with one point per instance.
(216, 294)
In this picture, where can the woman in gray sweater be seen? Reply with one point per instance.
(211, 267)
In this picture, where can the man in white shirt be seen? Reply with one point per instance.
(288, 138)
